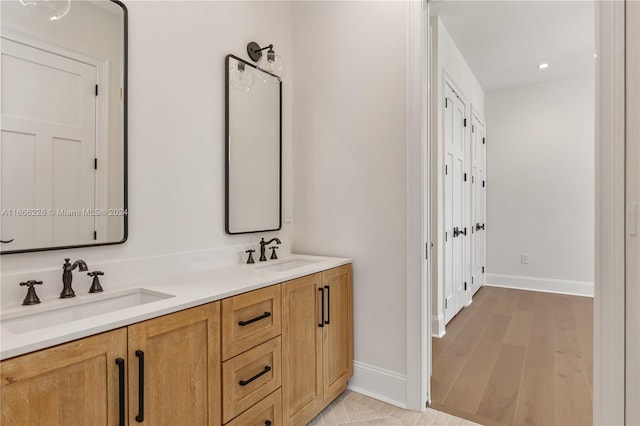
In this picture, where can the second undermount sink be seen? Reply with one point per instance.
(288, 264)
(64, 311)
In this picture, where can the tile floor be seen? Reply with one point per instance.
(353, 409)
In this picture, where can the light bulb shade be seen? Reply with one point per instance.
(52, 10)
(271, 63)
(241, 77)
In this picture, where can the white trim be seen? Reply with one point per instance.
(384, 385)
(437, 326)
(609, 301)
(416, 392)
(547, 285)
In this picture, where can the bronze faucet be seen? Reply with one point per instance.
(67, 277)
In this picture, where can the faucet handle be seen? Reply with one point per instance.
(250, 259)
(273, 252)
(31, 298)
(95, 284)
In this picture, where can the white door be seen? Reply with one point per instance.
(478, 198)
(455, 202)
(47, 148)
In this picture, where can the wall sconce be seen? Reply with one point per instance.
(52, 10)
(271, 62)
(241, 77)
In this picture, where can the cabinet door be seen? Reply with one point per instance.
(72, 384)
(337, 355)
(180, 356)
(301, 349)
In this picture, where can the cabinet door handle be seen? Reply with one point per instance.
(267, 423)
(321, 290)
(120, 363)
(252, 320)
(140, 416)
(328, 304)
(246, 382)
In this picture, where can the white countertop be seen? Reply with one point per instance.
(188, 288)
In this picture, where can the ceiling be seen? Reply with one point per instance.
(504, 41)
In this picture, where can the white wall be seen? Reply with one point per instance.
(447, 61)
(540, 189)
(176, 127)
(350, 133)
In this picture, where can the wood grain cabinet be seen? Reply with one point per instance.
(317, 342)
(272, 356)
(174, 368)
(76, 383)
(166, 368)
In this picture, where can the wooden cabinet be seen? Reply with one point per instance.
(317, 342)
(272, 356)
(174, 368)
(75, 383)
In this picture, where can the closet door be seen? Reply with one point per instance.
(456, 203)
(478, 198)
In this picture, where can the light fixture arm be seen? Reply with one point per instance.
(255, 51)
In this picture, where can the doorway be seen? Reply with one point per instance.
(517, 266)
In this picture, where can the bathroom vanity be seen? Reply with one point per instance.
(239, 345)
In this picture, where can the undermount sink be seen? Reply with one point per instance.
(85, 306)
(288, 264)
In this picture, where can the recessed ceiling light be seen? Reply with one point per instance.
(543, 66)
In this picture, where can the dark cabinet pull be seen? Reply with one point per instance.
(120, 363)
(321, 290)
(328, 304)
(6, 241)
(246, 382)
(267, 423)
(140, 416)
(252, 320)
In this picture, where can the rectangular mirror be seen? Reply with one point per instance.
(253, 148)
(64, 124)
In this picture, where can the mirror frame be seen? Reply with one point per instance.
(125, 133)
(226, 138)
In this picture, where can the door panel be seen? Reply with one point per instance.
(49, 104)
(456, 206)
(478, 203)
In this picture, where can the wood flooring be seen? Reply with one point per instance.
(516, 357)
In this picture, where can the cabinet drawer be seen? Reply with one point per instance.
(249, 377)
(250, 319)
(265, 411)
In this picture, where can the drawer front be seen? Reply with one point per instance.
(249, 377)
(264, 413)
(250, 319)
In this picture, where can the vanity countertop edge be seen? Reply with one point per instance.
(191, 288)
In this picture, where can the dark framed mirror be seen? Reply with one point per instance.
(253, 137)
(64, 124)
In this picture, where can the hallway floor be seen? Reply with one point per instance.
(517, 357)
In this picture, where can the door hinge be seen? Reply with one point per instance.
(465, 177)
(471, 280)
(483, 269)
(446, 169)
(473, 129)
(96, 90)
(446, 304)
(473, 179)
(465, 122)
(483, 141)
(426, 251)
(465, 286)
(483, 184)
(445, 237)
(95, 235)
(446, 102)
(95, 164)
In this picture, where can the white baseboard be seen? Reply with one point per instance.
(378, 383)
(548, 285)
(437, 326)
